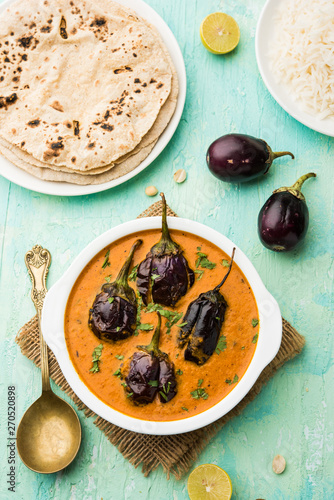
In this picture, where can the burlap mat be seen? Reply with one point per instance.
(177, 453)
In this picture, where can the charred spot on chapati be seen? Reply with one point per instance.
(62, 28)
(57, 106)
(122, 70)
(98, 21)
(46, 29)
(76, 127)
(7, 101)
(34, 123)
(57, 145)
(105, 126)
(137, 80)
(25, 42)
(91, 145)
(73, 159)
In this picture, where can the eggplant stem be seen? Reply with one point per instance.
(298, 184)
(154, 344)
(273, 155)
(217, 288)
(165, 230)
(122, 276)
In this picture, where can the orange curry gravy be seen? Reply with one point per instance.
(219, 374)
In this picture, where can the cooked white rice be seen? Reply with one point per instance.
(302, 53)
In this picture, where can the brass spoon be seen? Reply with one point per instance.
(49, 434)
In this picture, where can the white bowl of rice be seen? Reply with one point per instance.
(295, 55)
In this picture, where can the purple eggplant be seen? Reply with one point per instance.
(240, 158)
(114, 311)
(283, 219)
(203, 322)
(150, 372)
(165, 269)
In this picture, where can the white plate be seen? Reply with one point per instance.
(269, 339)
(264, 35)
(22, 178)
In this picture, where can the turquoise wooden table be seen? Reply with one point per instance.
(294, 413)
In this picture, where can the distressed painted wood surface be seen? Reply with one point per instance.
(294, 413)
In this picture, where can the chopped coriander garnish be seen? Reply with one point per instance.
(203, 261)
(200, 273)
(177, 354)
(111, 300)
(133, 274)
(184, 408)
(234, 381)
(153, 383)
(243, 347)
(117, 373)
(108, 278)
(106, 260)
(145, 327)
(199, 393)
(118, 329)
(129, 395)
(199, 249)
(172, 316)
(218, 318)
(200, 382)
(180, 325)
(255, 322)
(221, 345)
(225, 263)
(255, 338)
(119, 356)
(154, 276)
(124, 384)
(179, 372)
(163, 395)
(96, 358)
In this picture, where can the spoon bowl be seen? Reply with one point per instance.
(49, 434)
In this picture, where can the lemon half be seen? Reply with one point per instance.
(209, 482)
(219, 33)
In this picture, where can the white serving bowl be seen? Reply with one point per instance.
(269, 339)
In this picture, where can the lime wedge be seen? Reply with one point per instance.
(209, 482)
(219, 33)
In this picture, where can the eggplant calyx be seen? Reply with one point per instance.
(153, 347)
(273, 155)
(295, 189)
(166, 246)
(120, 287)
(218, 287)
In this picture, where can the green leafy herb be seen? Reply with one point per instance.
(133, 274)
(180, 325)
(106, 260)
(221, 345)
(203, 261)
(111, 300)
(117, 373)
(96, 358)
(199, 249)
(243, 347)
(108, 278)
(179, 372)
(184, 408)
(225, 263)
(124, 384)
(163, 395)
(129, 395)
(118, 329)
(200, 382)
(200, 274)
(234, 381)
(154, 276)
(119, 356)
(177, 354)
(153, 383)
(172, 316)
(255, 322)
(255, 338)
(145, 327)
(199, 393)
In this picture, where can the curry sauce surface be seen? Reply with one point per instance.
(218, 373)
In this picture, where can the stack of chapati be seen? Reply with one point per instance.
(86, 89)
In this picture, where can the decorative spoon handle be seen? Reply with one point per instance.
(38, 261)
